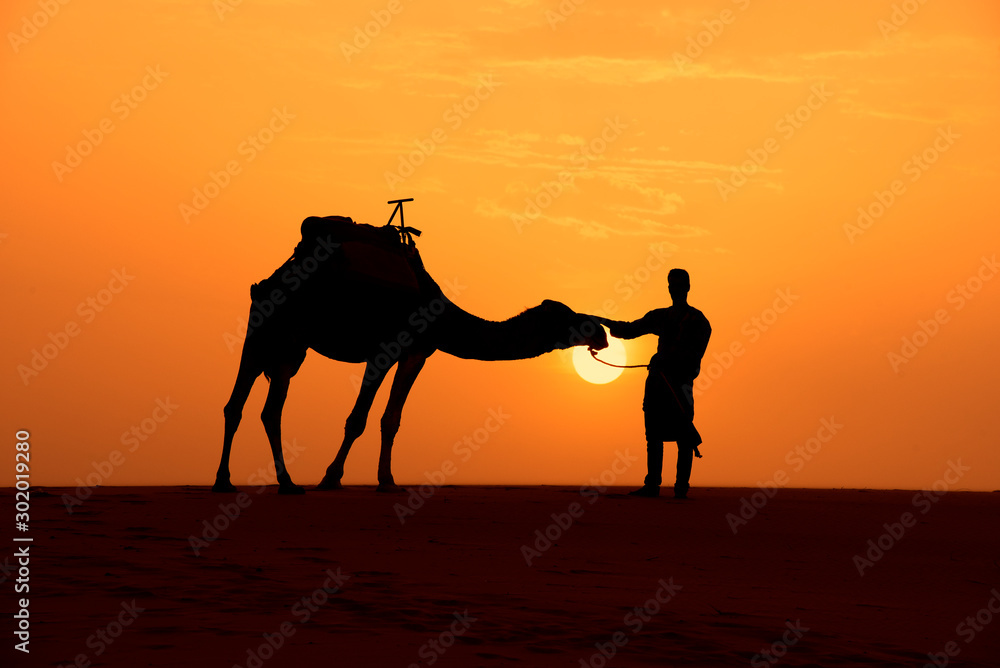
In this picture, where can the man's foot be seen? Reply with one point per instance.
(680, 492)
(647, 491)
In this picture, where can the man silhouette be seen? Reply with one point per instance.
(668, 403)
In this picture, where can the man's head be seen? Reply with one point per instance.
(678, 284)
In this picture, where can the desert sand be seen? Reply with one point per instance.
(337, 578)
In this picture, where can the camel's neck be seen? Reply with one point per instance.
(464, 335)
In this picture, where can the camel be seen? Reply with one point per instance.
(359, 293)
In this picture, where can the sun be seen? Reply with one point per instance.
(593, 371)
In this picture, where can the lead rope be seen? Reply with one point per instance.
(593, 353)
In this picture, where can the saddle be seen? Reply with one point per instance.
(342, 250)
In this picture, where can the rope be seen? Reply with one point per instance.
(593, 353)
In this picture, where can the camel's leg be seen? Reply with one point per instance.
(271, 417)
(406, 374)
(355, 426)
(233, 411)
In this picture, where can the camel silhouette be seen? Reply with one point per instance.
(359, 293)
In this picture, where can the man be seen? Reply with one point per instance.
(668, 404)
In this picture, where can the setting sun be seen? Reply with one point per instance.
(593, 371)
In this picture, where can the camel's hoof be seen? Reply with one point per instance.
(291, 489)
(389, 488)
(224, 486)
(325, 485)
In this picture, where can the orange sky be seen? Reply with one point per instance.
(833, 99)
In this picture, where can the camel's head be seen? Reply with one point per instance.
(572, 328)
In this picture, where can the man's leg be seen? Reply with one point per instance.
(654, 464)
(652, 413)
(685, 455)
(654, 470)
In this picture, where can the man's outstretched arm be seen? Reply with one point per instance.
(623, 329)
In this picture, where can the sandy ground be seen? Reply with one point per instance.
(336, 578)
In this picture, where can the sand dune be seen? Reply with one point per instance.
(337, 577)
